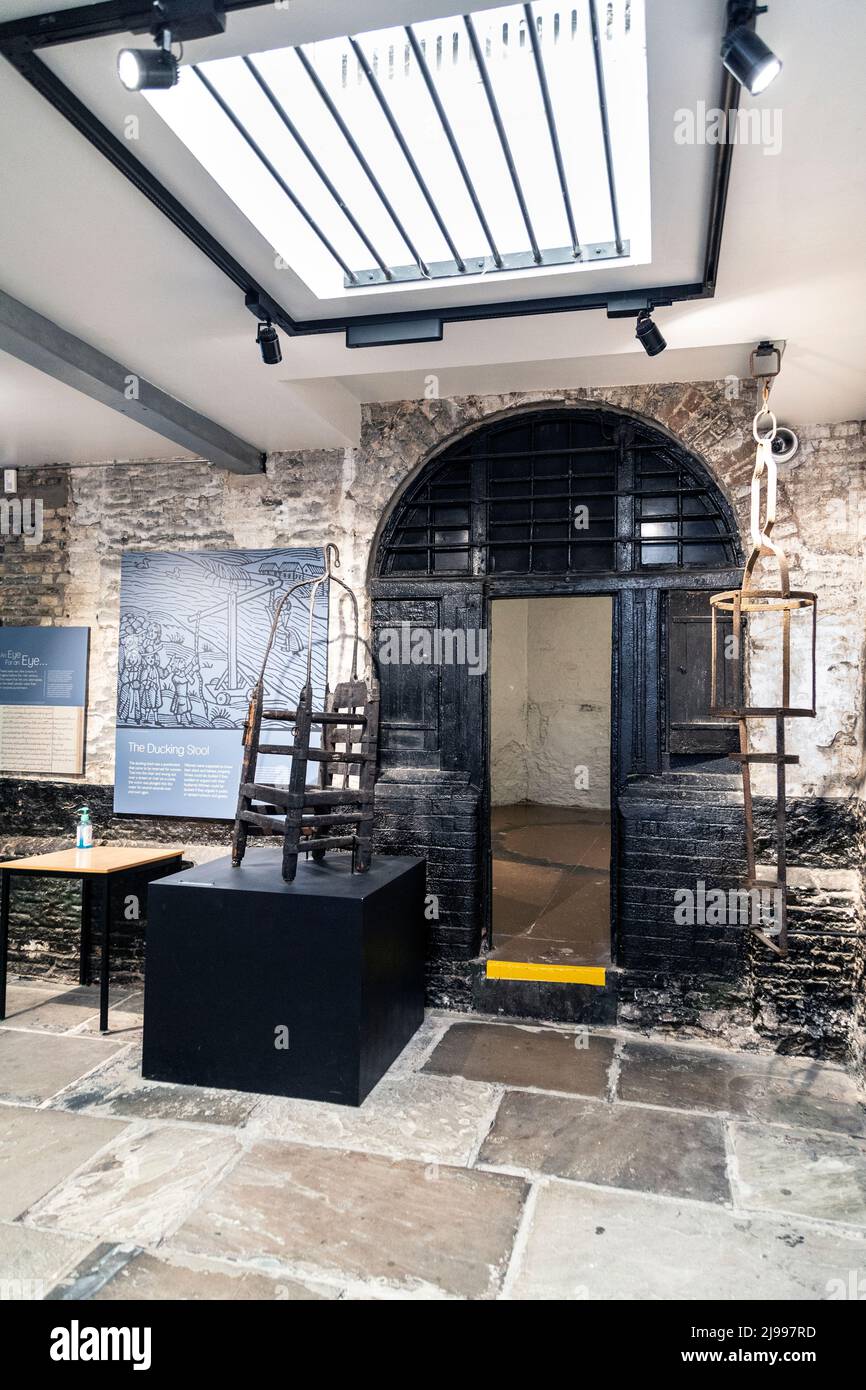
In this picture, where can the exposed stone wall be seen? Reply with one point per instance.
(34, 579)
(93, 513)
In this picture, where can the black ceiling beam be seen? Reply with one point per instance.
(729, 100)
(40, 76)
(19, 39)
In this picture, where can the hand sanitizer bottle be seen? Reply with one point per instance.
(84, 830)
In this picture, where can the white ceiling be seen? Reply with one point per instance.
(82, 246)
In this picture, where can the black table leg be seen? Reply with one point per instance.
(4, 936)
(106, 933)
(84, 948)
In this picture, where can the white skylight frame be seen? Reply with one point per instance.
(420, 252)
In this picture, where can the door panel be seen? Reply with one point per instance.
(432, 711)
(691, 729)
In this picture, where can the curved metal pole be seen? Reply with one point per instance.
(315, 582)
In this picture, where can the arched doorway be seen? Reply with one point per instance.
(552, 503)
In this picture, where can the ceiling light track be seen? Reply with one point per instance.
(147, 69)
(20, 40)
(744, 53)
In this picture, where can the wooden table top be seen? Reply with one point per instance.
(107, 859)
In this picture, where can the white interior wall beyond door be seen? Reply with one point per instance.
(550, 701)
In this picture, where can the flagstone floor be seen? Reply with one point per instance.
(495, 1160)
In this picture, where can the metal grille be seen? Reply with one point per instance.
(560, 493)
(513, 138)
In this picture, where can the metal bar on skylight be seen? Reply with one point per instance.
(503, 138)
(305, 149)
(551, 123)
(452, 141)
(361, 158)
(407, 153)
(274, 173)
(605, 123)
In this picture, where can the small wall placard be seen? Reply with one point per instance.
(43, 696)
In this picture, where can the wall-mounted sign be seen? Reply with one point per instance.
(43, 694)
(193, 631)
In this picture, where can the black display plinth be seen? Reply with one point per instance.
(307, 989)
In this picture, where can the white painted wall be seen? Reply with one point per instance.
(550, 700)
(509, 700)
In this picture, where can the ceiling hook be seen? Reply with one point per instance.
(762, 372)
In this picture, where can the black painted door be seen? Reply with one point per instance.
(431, 643)
(691, 729)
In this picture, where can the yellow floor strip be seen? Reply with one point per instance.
(551, 974)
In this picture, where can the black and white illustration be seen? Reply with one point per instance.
(193, 629)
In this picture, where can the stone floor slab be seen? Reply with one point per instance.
(35, 1066)
(431, 1118)
(32, 1261)
(422, 1043)
(21, 998)
(821, 1176)
(612, 1145)
(136, 1275)
(415, 1228)
(781, 1090)
(63, 1010)
(586, 1244)
(40, 1148)
(141, 1188)
(119, 1089)
(509, 1055)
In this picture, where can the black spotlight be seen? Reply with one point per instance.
(269, 343)
(141, 68)
(744, 54)
(648, 335)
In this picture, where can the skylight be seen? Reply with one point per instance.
(498, 143)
